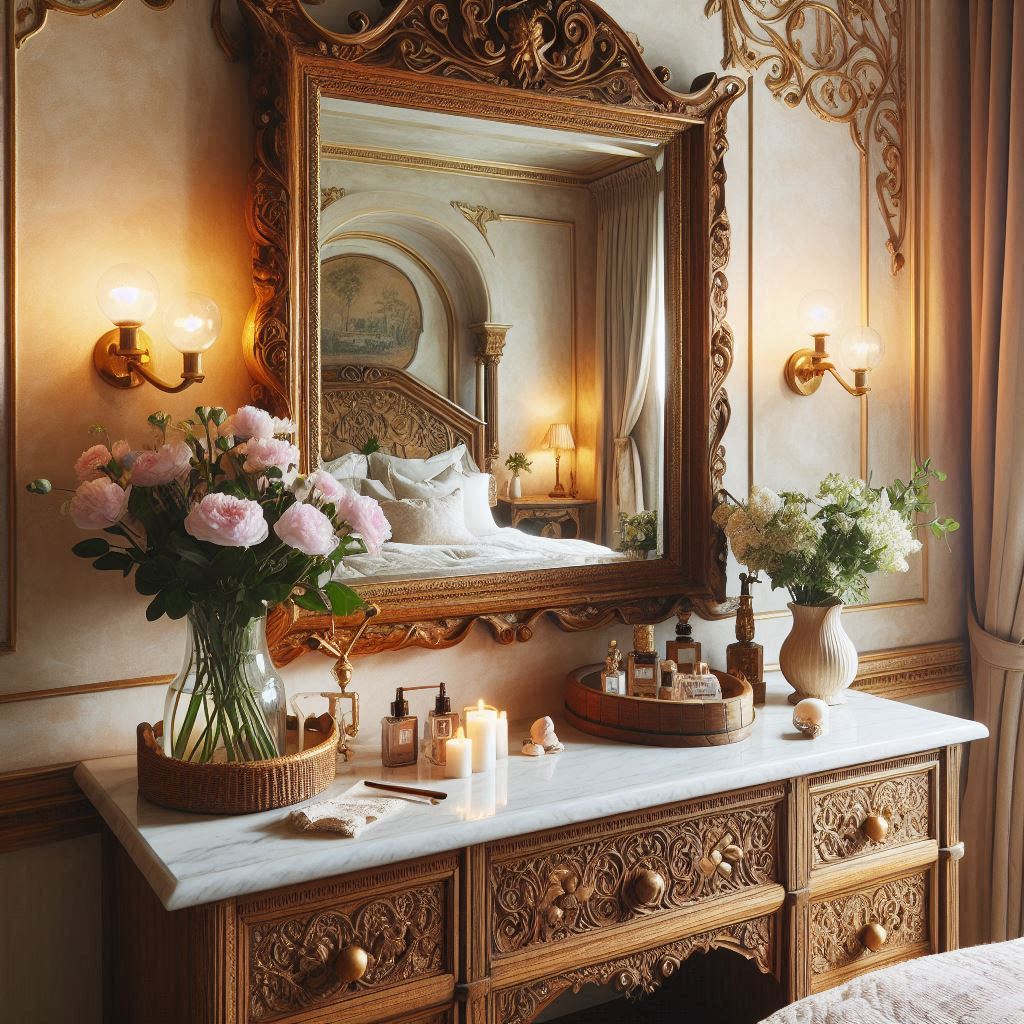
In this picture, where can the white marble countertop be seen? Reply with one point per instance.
(194, 859)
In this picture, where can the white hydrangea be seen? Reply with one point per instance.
(888, 536)
(762, 505)
(838, 489)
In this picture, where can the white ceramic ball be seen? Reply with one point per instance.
(811, 717)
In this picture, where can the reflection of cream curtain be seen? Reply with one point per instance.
(627, 260)
(993, 895)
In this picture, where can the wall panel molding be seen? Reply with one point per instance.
(43, 805)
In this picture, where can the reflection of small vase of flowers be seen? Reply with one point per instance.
(638, 534)
(517, 463)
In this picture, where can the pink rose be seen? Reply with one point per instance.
(306, 529)
(169, 462)
(323, 482)
(248, 422)
(89, 465)
(98, 504)
(228, 521)
(121, 450)
(366, 518)
(262, 453)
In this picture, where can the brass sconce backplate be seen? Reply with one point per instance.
(800, 372)
(111, 364)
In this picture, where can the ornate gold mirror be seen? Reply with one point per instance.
(489, 263)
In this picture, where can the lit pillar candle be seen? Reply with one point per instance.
(481, 725)
(501, 736)
(458, 762)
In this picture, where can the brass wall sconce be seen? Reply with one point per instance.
(860, 349)
(128, 296)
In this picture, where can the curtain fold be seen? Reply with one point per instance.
(992, 906)
(627, 294)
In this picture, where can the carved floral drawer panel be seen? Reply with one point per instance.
(550, 887)
(856, 813)
(344, 941)
(859, 931)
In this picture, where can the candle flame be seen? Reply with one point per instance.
(480, 704)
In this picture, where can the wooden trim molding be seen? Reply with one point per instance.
(914, 671)
(43, 805)
(31, 14)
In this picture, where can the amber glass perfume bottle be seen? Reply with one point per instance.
(642, 664)
(683, 649)
(398, 733)
(442, 723)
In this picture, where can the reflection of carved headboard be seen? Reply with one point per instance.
(404, 415)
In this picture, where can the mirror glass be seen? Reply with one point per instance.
(491, 361)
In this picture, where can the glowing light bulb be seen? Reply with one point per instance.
(861, 348)
(127, 295)
(819, 312)
(192, 322)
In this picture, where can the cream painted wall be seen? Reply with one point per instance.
(147, 157)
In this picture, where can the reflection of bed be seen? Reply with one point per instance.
(505, 550)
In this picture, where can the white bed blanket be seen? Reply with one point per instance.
(505, 550)
(979, 985)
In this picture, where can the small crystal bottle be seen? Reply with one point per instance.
(702, 684)
(398, 733)
(442, 723)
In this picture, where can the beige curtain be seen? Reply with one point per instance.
(992, 903)
(628, 260)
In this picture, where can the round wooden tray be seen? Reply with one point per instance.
(659, 723)
(238, 787)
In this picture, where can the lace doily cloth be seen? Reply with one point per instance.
(347, 814)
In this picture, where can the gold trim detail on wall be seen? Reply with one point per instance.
(479, 217)
(31, 14)
(331, 195)
(848, 63)
(914, 671)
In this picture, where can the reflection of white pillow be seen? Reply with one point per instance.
(476, 494)
(416, 469)
(428, 520)
(354, 464)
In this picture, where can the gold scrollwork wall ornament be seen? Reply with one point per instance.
(846, 59)
(561, 64)
(29, 15)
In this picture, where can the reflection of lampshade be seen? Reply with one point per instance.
(559, 437)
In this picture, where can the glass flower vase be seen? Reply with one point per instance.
(227, 703)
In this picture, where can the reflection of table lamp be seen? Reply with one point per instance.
(559, 437)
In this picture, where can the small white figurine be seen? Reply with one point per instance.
(531, 749)
(543, 732)
(811, 716)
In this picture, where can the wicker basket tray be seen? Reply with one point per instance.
(660, 723)
(239, 787)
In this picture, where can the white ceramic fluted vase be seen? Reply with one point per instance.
(515, 487)
(818, 659)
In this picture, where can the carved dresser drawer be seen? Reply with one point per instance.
(552, 887)
(878, 924)
(862, 811)
(385, 938)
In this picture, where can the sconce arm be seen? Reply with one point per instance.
(190, 375)
(857, 389)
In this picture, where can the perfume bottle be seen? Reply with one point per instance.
(683, 650)
(666, 686)
(642, 664)
(746, 658)
(442, 723)
(398, 733)
(702, 684)
(613, 679)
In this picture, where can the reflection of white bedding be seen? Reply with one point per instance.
(504, 550)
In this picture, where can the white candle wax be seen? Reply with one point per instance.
(458, 762)
(481, 725)
(501, 736)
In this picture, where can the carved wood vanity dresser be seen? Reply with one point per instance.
(607, 864)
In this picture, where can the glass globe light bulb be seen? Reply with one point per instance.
(819, 312)
(192, 322)
(127, 295)
(861, 348)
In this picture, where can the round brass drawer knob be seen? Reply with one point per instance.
(648, 888)
(351, 964)
(873, 937)
(875, 827)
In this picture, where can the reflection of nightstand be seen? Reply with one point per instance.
(544, 516)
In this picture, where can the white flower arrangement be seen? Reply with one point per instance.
(638, 532)
(822, 548)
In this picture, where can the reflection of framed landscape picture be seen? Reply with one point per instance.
(370, 313)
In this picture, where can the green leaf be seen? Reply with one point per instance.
(311, 601)
(272, 593)
(91, 548)
(344, 600)
(176, 603)
(155, 608)
(113, 560)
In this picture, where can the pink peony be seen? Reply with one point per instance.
(264, 452)
(121, 450)
(89, 465)
(169, 462)
(98, 504)
(366, 518)
(228, 521)
(322, 481)
(248, 422)
(306, 529)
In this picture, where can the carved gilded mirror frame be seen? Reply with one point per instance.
(559, 64)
